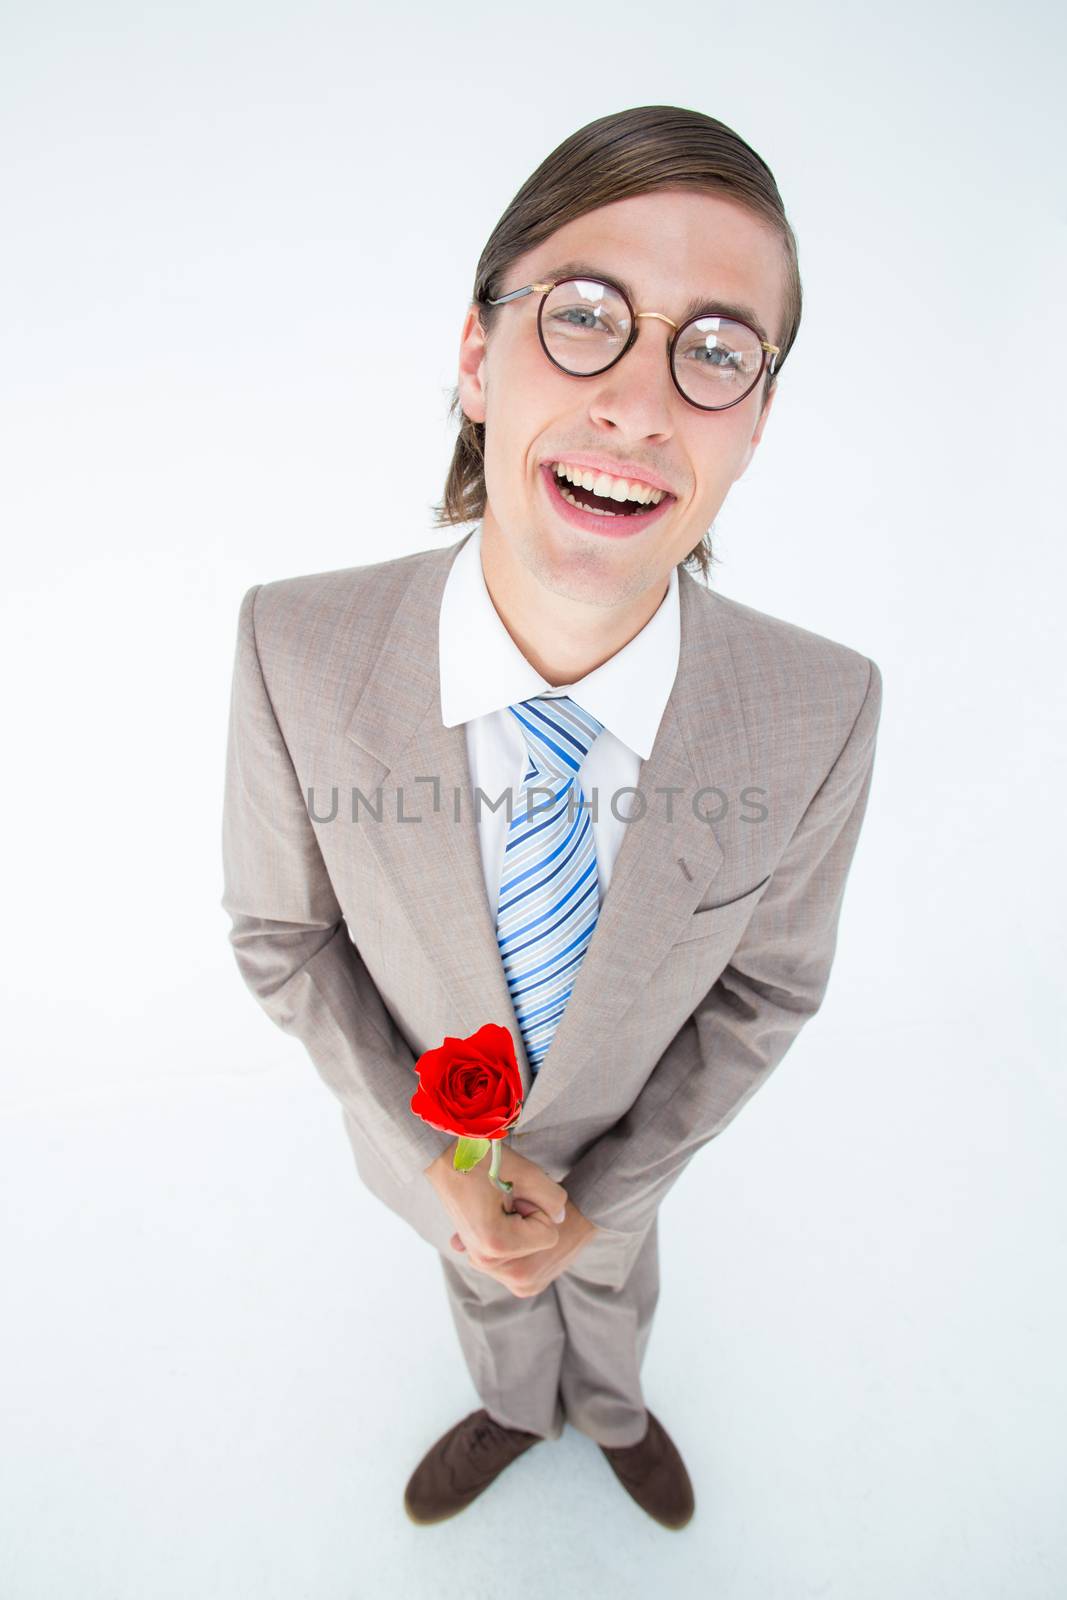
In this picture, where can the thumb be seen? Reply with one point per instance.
(526, 1208)
(551, 1197)
(533, 1183)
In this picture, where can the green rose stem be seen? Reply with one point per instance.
(494, 1168)
(469, 1152)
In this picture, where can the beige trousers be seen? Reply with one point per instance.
(572, 1353)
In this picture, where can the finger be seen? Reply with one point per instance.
(519, 1206)
(529, 1208)
(555, 1209)
(533, 1181)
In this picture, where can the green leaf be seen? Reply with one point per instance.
(469, 1152)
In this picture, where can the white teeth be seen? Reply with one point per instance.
(607, 487)
(596, 511)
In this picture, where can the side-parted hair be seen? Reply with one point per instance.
(627, 153)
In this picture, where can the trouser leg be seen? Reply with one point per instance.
(513, 1346)
(607, 1299)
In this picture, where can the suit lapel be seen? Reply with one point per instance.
(663, 868)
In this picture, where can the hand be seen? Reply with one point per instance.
(527, 1275)
(489, 1221)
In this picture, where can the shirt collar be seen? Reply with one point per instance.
(483, 670)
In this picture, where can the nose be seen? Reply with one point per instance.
(636, 396)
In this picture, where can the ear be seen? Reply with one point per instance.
(471, 367)
(757, 432)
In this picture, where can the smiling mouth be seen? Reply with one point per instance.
(604, 505)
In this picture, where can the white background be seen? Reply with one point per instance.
(220, 1357)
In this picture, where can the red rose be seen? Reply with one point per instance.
(471, 1087)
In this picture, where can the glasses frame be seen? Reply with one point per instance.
(545, 289)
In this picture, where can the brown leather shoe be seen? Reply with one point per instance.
(462, 1463)
(653, 1473)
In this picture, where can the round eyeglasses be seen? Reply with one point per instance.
(586, 325)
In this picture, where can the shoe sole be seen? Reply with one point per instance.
(431, 1522)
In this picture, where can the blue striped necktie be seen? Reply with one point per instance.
(549, 896)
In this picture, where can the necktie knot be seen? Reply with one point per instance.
(559, 733)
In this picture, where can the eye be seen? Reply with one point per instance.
(716, 355)
(584, 319)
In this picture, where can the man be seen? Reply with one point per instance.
(657, 933)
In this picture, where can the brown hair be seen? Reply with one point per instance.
(627, 153)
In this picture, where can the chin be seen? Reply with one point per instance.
(596, 582)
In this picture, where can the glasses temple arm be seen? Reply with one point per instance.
(518, 293)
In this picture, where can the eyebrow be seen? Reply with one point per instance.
(707, 303)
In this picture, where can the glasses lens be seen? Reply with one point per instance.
(717, 361)
(585, 325)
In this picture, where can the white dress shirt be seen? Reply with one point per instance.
(483, 671)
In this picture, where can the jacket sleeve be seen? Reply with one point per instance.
(775, 980)
(289, 937)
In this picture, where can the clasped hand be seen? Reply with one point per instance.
(514, 1237)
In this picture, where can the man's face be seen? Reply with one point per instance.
(667, 249)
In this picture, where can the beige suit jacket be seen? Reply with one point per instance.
(371, 940)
